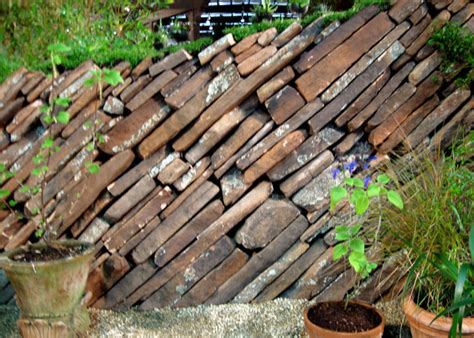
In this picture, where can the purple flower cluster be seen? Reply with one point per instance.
(352, 166)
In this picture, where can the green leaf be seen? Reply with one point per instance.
(4, 193)
(357, 245)
(12, 203)
(44, 109)
(395, 198)
(362, 204)
(383, 179)
(90, 82)
(48, 143)
(24, 189)
(340, 250)
(342, 233)
(93, 168)
(2, 167)
(63, 117)
(58, 48)
(39, 233)
(112, 77)
(90, 147)
(349, 181)
(373, 190)
(359, 183)
(57, 59)
(63, 101)
(48, 119)
(471, 243)
(354, 230)
(358, 261)
(337, 194)
(37, 159)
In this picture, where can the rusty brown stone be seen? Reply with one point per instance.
(267, 36)
(141, 68)
(320, 76)
(245, 44)
(403, 9)
(218, 46)
(173, 171)
(275, 83)
(256, 60)
(284, 104)
(179, 81)
(134, 88)
(289, 33)
(102, 202)
(169, 62)
(419, 14)
(222, 60)
(10, 109)
(438, 22)
(425, 68)
(192, 174)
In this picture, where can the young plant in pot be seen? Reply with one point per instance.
(436, 229)
(49, 277)
(353, 318)
(264, 11)
(299, 7)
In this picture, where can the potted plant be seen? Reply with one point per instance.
(49, 277)
(436, 231)
(299, 7)
(352, 318)
(264, 11)
(179, 31)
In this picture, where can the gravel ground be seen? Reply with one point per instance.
(279, 318)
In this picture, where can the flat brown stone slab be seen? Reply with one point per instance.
(349, 141)
(457, 5)
(184, 93)
(308, 150)
(169, 62)
(408, 125)
(436, 117)
(245, 44)
(419, 14)
(71, 208)
(27, 113)
(323, 48)
(218, 46)
(222, 60)
(133, 175)
(133, 89)
(187, 192)
(273, 156)
(188, 233)
(181, 118)
(363, 100)
(291, 125)
(292, 273)
(254, 49)
(113, 106)
(265, 223)
(245, 87)
(136, 239)
(256, 60)
(271, 273)
(425, 68)
(142, 67)
(284, 104)
(10, 109)
(244, 132)
(10, 82)
(384, 93)
(423, 92)
(178, 81)
(94, 231)
(364, 62)
(136, 193)
(38, 90)
(140, 220)
(207, 238)
(173, 171)
(275, 83)
(82, 222)
(259, 262)
(154, 87)
(266, 128)
(174, 222)
(192, 174)
(80, 118)
(184, 280)
(135, 127)
(403, 9)
(267, 36)
(438, 22)
(396, 100)
(306, 174)
(336, 106)
(206, 287)
(289, 33)
(320, 76)
(220, 129)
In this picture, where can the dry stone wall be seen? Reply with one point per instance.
(216, 170)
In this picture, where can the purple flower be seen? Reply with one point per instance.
(371, 158)
(352, 166)
(367, 180)
(335, 172)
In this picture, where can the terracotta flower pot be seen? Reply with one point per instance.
(421, 325)
(49, 291)
(316, 331)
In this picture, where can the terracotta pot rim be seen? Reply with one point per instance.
(416, 313)
(6, 261)
(342, 333)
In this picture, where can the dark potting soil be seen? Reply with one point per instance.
(336, 316)
(48, 253)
